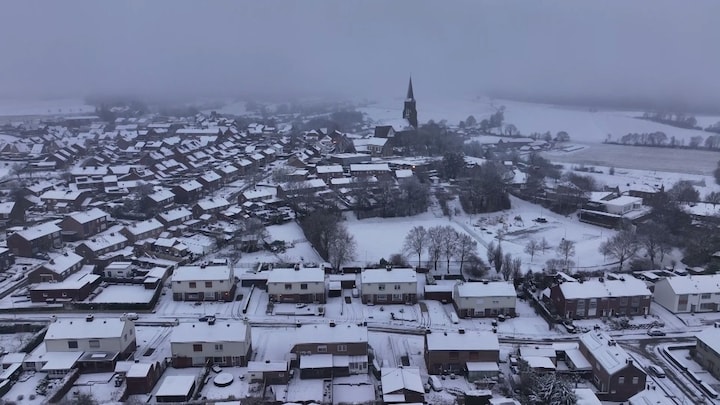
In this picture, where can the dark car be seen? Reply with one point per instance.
(239, 297)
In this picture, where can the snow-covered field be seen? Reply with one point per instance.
(583, 124)
(381, 237)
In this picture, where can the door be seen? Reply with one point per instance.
(592, 309)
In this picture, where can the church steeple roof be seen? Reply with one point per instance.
(410, 95)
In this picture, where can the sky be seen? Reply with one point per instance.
(654, 51)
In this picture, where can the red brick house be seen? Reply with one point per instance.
(451, 351)
(615, 374)
(35, 239)
(76, 287)
(58, 268)
(81, 225)
(600, 298)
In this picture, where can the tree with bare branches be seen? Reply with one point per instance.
(623, 246)
(531, 247)
(466, 246)
(416, 241)
(342, 247)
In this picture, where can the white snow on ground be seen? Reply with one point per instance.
(12, 342)
(124, 293)
(381, 237)
(583, 124)
(68, 106)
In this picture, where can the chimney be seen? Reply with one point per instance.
(297, 267)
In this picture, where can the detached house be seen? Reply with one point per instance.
(298, 284)
(198, 283)
(484, 299)
(614, 372)
(389, 286)
(689, 294)
(81, 225)
(197, 344)
(600, 298)
(35, 239)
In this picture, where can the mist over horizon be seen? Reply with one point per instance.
(651, 54)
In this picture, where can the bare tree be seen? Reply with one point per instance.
(516, 268)
(713, 198)
(415, 241)
(435, 239)
(531, 247)
(497, 258)
(506, 269)
(566, 249)
(342, 247)
(544, 245)
(466, 246)
(623, 246)
(449, 243)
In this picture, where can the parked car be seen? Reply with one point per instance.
(131, 316)
(569, 326)
(655, 332)
(657, 370)
(435, 383)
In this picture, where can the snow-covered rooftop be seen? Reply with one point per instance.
(88, 216)
(224, 331)
(197, 273)
(290, 275)
(394, 275)
(59, 263)
(701, 284)
(611, 357)
(481, 289)
(627, 287)
(79, 328)
(469, 340)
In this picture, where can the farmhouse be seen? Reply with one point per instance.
(452, 352)
(484, 299)
(389, 286)
(196, 344)
(689, 294)
(600, 298)
(198, 283)
(614, 372)
(298, 284)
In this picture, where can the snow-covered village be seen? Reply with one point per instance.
(278, 225)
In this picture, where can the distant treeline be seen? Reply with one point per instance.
(679, 120)
(660, 139)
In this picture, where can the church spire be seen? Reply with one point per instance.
(410, 110)
(410, 95)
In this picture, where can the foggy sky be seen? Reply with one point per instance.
(647, 50)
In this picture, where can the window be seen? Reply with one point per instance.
(381, 287)
(72, 344)
(193, 284)
(705, 296)
(218, 347)
(636, 380)
(208, 284)
(322, 349)
(303, 286)
(94, 343)
(397, 286)
(197, 347)
(621, 380)
(341, 348)
(288, 286)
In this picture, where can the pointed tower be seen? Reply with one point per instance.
(409, 111)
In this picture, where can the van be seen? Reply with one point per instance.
(657, 370)
(355, 293)
(435, 383)
(454, 318)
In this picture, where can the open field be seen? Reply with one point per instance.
(641, 157)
